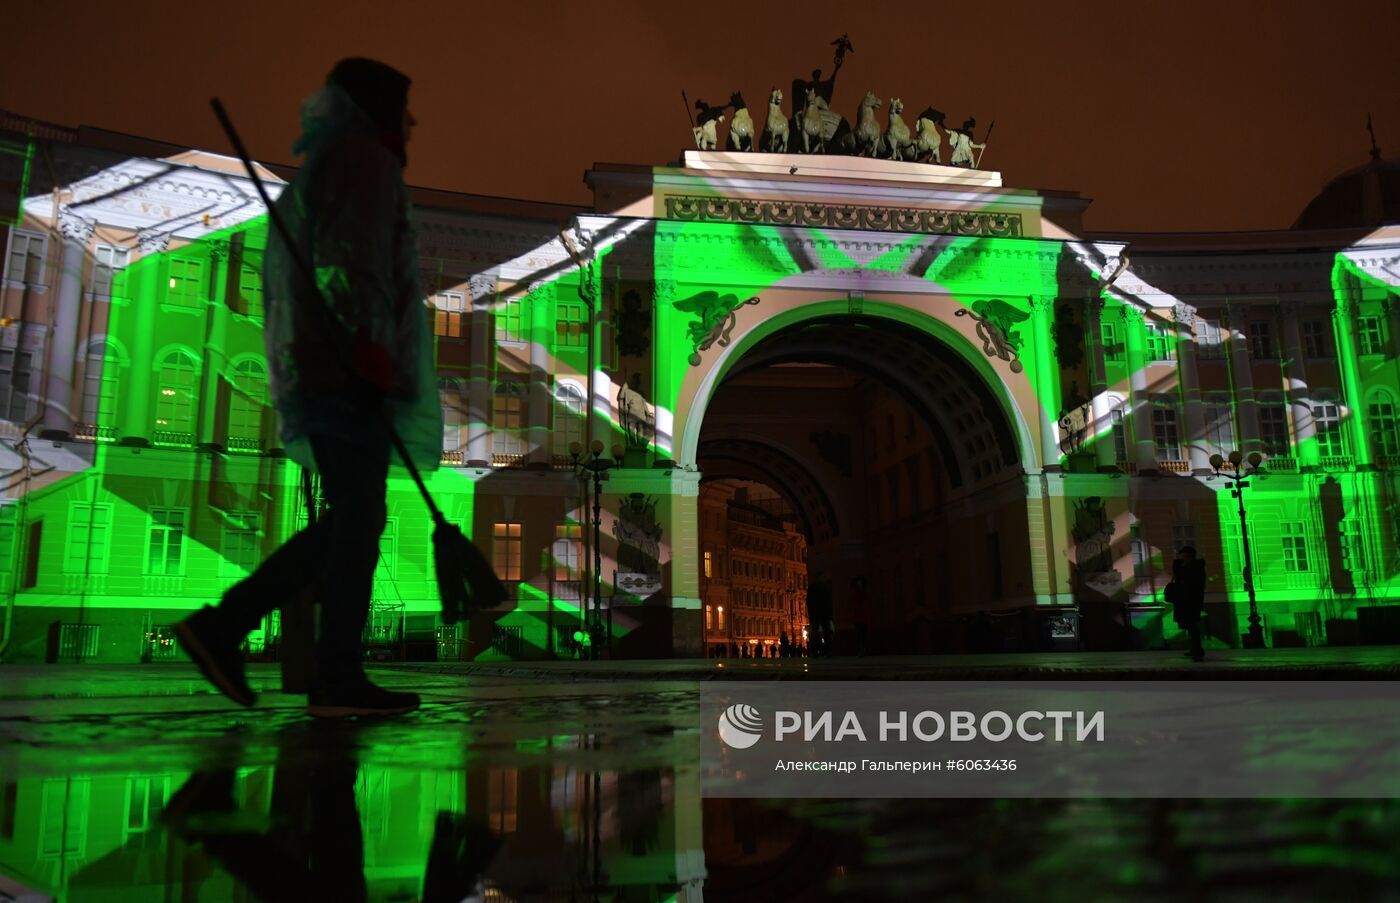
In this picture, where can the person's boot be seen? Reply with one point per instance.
(360, 696)
(217, 652)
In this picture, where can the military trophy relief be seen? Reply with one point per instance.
(813, 127)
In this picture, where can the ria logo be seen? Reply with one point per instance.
(740, 726)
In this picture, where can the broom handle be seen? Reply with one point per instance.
(304, 268)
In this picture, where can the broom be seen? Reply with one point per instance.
(466, 581)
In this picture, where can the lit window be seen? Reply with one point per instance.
(569, 416)
(453, 419)
(709, 618)
(175, 393)
(568, 552)
(1295, 547)
(447, 319)
(505, 550)
(186, 283)
(709, 564)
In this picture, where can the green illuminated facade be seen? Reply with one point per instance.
(1069, 391)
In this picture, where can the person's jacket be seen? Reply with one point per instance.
(1190, 580)
(348, 213)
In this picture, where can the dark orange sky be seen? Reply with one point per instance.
(1177, 115)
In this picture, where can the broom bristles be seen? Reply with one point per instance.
(466, 581)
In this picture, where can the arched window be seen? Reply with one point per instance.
(175, 393)
(569, 416)
(453, 414)
(1381, 414)
(100, 385)
(248, 400)
(508, 420)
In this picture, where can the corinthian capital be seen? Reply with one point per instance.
(75, 227)
(1184, 314)
(1131, 313)
(482, 286)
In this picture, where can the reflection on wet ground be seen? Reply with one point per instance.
(137, 785)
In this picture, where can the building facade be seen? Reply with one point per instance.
(1004, 422)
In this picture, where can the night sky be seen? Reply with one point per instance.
(1180, 116)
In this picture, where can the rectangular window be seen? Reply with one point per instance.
(1220, 427)
(16, 374)
(1112, 342)
(508, 322)
(1210, 342)
(1183, 535)
(9, 514)
(1381, 415)
(1372, 337)
(26, 261)
(1295, 547)
(1273, 429)
(145, 800)
(89, 533)
(1165, 436)
(1315, 338)
(450, 308)
(107, 262)
(1120, 436)
(186, 283)
(709, 564)
(1327, 422)
(719, 615)
(1353, 552)
(1161, 342)
(571, 325)
(505, 550)
(242, 544)
(508, 420)
(165, 550)
(1261, 340)
(63, 817)
(250, 292)
(709, 618)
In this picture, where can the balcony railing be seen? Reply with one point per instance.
(172, 439)
(456, 458)
(1336, 462)
(243, 445)
(91, 432)
(505, 460)
(1174, 466)
(1281, 464)
(1128, 467)
(1391, 462)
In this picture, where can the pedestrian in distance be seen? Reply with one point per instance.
(1187, 593)
(339, 363)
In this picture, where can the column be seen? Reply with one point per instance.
(1242, 377)
(59, 391)
(215, 359)
(665, 377)
(1144, 451)
(1047, 388)
(1296, 381)
(1344, 327)
(1100, 410)
(1187, 378)
(540, 300)
(482, 288)
(147, 294)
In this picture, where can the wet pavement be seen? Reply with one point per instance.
(580, 781)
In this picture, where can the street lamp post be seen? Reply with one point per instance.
(596, 467)
(1234, 470)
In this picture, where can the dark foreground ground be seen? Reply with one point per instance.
(579, 781)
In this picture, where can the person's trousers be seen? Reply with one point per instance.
(1193, 627)
(337, 555)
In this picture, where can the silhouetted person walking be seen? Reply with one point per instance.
(819, 612)
(348, 211)
(1188, 596)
